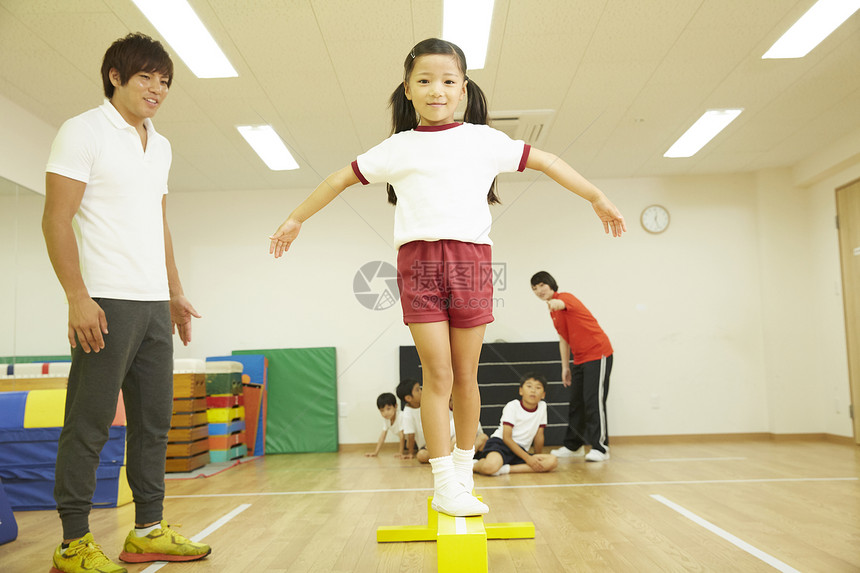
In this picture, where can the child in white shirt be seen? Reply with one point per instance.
(522, 423)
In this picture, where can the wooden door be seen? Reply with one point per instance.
(848, 212)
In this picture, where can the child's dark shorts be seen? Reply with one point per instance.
(498, 445)
(446, 280)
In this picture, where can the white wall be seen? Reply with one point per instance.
(730, 321)
(25, 142)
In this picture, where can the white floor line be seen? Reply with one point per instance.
(203, 534)
(757, 553)
(540, 486)
(695, 459)
(460, 525)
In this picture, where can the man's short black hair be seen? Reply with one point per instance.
(545, 278)
(532, 376)
(404, 389)
(132, 54)
(386, 399)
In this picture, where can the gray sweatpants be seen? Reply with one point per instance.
(137, 357)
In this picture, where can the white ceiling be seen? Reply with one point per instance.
(626, 78)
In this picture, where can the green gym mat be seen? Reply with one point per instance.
(302, 402)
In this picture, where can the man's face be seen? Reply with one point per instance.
(543, 291)
(388, 411)
(140, 97)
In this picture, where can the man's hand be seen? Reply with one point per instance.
(181, 312)
(87, 323)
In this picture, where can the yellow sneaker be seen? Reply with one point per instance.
(84, 555)
(162, 544)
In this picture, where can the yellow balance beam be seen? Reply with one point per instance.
(461, 545)
(461, 542)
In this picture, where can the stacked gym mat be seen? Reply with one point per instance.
(225, 410)
(188, 439)
(30, 425)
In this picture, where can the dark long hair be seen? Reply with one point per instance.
(403, 114)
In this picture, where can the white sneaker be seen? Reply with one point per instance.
(597, 455)
(461, 505)
(564, 452)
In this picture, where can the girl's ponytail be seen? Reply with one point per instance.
(403, 118)
(476, 104)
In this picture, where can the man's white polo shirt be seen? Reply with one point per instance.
(119, 225)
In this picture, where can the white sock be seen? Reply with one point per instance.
(144, 531)
(463, 464)
(449, 495)
(505, 469)
(444, 477)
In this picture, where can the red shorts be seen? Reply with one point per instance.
(446, 281)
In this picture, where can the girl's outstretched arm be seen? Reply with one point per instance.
(325, 192)
(570, 179)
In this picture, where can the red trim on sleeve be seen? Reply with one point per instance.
(542, 426)
(358, 174)
(507, 424)
(526, 149)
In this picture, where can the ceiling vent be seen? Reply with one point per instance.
(532, 126)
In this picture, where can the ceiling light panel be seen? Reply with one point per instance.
(179, 25)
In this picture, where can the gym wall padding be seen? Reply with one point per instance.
(31, 359)
(501, 366)
(302, 399)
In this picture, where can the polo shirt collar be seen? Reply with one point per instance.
(119, 121)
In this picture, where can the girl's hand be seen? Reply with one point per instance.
(555, 304)
(284, 237)
(610, 215)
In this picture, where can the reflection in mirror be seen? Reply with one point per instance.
(33, 310)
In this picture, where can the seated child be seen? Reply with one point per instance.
(523, 421)
(409, 392)
(387, 404)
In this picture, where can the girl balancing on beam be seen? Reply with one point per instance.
(441, 175)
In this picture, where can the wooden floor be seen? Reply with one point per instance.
(673, 505)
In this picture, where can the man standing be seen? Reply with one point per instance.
(105, 227)
(579, 333)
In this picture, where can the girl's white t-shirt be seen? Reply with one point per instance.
(441, 175)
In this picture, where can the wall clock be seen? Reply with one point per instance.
(654, 219)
